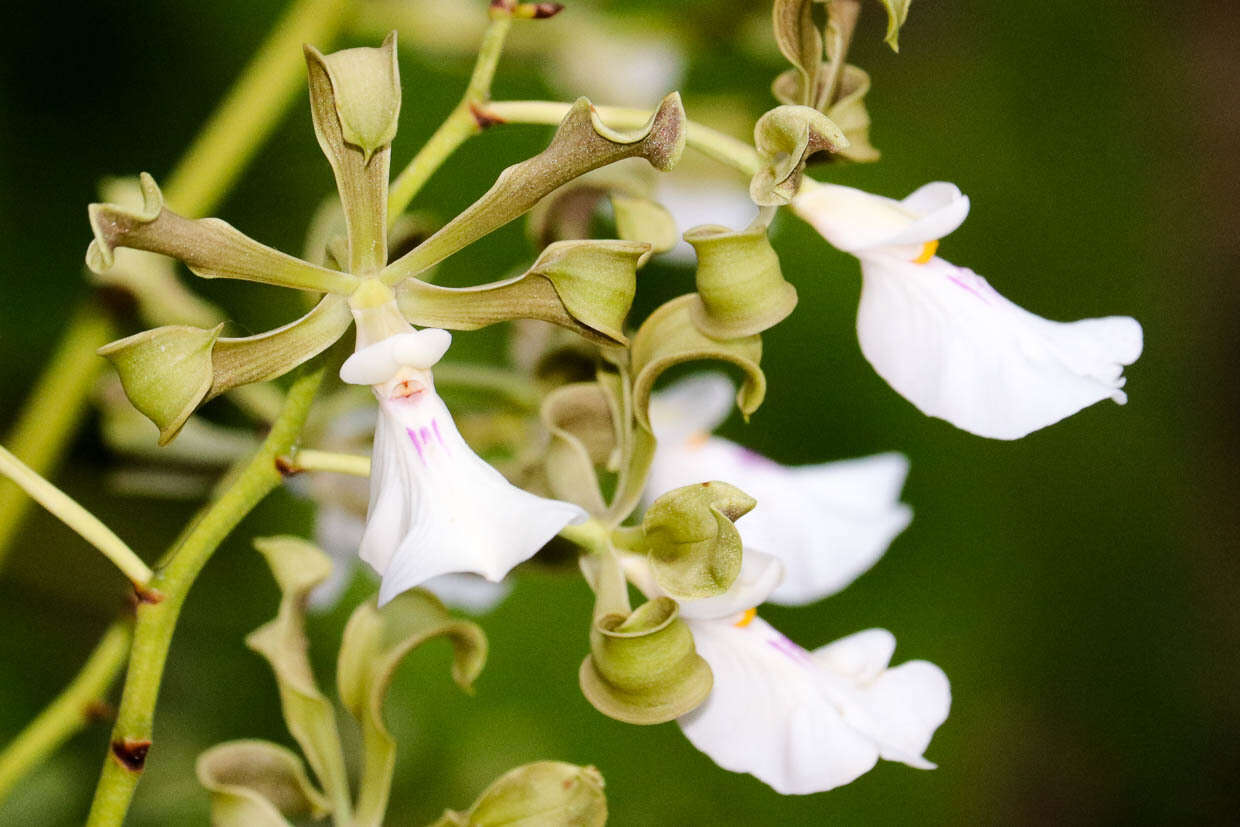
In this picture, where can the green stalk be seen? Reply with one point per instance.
(72, 514)
(230, 138)
(131, 736)
(72, 710)
(461, 124)
(54, 409)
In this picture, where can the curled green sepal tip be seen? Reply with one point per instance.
(785, 138)
(545, 793)
(256, 783)
(694, 548)
(643, 667)
(741, 289)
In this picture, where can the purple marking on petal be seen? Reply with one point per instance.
(438, 436)
(413, 437)
(786, 647)
(425, 433)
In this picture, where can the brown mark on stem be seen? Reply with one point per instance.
(287, 467)
(482, 117)
(131, 753)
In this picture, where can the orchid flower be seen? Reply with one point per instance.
(827, 523)
(800, 721)
(944, 338)
(435, 506)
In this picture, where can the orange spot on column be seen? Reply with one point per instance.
(746, 618)
(927, 252)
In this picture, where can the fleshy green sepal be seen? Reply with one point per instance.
(740, 287)
(545, 793)
(695, 550)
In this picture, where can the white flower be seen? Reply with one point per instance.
(435, 506)
(802, 722)
(940, 334)
(827, 523)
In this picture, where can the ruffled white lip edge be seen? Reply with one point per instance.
(377, 363)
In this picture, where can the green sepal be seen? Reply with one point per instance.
(375, 641)
(258, 784)
(799, 40)
(581, 143)
(740, 287)
(211, 248)
(542, 794)
(669, 337)
(643, 667)
(567, 212)
(586, 286)
(785, 138)
(847, 109)
(583, 437)
(897, 13)
(644, 220)
(299, 566)
(695, 550)
(355, 104)
(168, 372)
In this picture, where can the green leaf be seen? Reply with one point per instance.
(542, 794)
(586, 286)
(582, 143)
(897, 13)
(375, 641)
(740, 287)
(257, 784)
(298, 567)
(168, 372)
(695, 550)
(209, 247)
(785, 138)
(355, 104)
(669, 337)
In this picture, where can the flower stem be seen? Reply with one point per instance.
(459, 126)
(710, 142)
(253, 106)
(72, 514)
(54, 408)
(231, 136)
(354, 465)
(131, 736)
(70, 712)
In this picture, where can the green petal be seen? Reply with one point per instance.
(800, 41)
(897, 13)
(583, 438)
(786, 137)
(582, 143)
(542, 794)
(257, 784)
(355, 104)
(298, 567)
(741, 289)
(375, 641)
(209, 247)
(669, 337)
(695, 550)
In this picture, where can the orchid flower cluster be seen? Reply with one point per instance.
(608, 458)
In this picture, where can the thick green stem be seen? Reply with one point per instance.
(75, 707)
(54, 409)
(712, 143)
(131, 736)
(463, 123)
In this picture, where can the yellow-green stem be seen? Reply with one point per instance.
(355, 465)
(73, 709)
(54, 408)
(457, 128)
(71, 513)
(131, 736)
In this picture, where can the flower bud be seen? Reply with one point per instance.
(643, 667)
(550, 793)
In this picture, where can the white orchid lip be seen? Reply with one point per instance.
(381, 361)
(858, 222)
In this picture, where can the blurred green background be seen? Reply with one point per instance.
(1078, 586)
